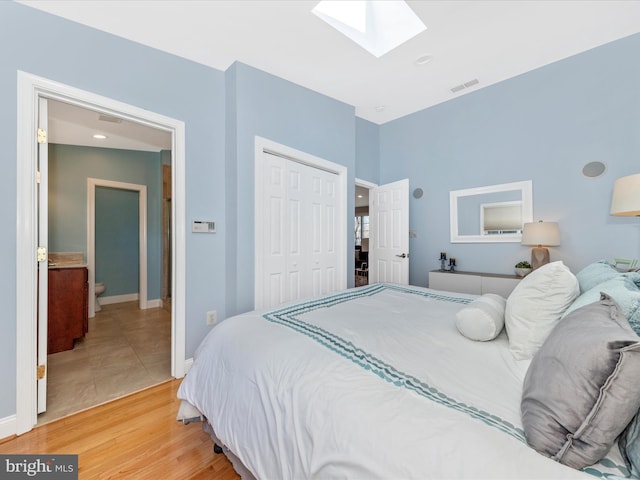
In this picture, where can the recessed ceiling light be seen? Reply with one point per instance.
(99, 136)
(359, 196)
(423, 60)
(378, 26)
(379, 108)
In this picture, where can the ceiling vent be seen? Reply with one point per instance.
(464, 85)
(109, 118)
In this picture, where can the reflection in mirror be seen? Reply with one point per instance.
(494, 213)
(501, 218)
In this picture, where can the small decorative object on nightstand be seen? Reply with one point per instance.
(443, 259)
(523, 268)
(452, 264)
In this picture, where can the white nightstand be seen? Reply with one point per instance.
(477, 283)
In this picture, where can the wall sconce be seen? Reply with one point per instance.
(540, 235)
(626, 196)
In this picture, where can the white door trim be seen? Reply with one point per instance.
(92, 183)
(365, 184)
(263, 145)
(43, 264)
(30, 88)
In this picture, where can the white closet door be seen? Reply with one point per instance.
(299, 245)
(322, 217)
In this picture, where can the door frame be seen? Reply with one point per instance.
(369, 186)
(29, 89)
(262, 146)
(92, 183)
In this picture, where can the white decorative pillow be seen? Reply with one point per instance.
(536, 305)
(483, 318)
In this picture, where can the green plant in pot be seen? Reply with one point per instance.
(523, 268)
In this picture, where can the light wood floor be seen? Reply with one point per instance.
(134, 437)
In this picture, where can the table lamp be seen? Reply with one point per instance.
(626, 196)
(540, 235)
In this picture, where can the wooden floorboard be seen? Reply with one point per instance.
(134, 437)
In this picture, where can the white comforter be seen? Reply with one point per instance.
(373, 382)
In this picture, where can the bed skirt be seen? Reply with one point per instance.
(238, 466)
(187, 414)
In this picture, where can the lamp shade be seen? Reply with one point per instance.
(626, 196)
(541, 233)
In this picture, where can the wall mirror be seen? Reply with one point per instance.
(495, 213)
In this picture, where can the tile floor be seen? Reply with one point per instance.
(125, 350)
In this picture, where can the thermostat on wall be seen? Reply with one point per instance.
(203, 226)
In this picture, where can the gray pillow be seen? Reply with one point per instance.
(629, 443)
(583, 386)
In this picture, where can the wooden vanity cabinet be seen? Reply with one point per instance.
(68, 312)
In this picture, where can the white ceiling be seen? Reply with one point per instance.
(73, 125)
(485, 40)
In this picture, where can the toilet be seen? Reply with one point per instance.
(99, 289)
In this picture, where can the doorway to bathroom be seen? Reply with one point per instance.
(32, 93)
(117, 253)
(127, 345)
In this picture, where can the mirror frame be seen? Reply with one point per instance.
(526, 191)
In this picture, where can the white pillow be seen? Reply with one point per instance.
(483, 318)
(536, 305)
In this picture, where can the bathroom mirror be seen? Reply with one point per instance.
(495, 213)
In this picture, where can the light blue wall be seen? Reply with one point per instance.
(270, 107)
(367, 151)
(69, 168)
(128, 72)
(542, 126)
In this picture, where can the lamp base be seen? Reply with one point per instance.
(539, 257)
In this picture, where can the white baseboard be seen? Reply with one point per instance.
(8, 426)
(156, 303)
(129, 297)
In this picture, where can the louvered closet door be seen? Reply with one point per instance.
(299, 249)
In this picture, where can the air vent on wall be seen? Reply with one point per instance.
(109, 118)
(464, 85)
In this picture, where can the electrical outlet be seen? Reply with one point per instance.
(212, 317)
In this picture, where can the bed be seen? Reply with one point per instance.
(380, 381)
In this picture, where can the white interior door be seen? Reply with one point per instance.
(43, 243)
(389, 233)
(321, 225)
(299, 244)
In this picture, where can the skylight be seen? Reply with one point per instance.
(378, 26)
